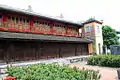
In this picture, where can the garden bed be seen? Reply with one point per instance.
(51, 72)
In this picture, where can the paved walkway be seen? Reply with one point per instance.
(106, 73)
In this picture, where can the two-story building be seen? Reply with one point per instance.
(26, 35)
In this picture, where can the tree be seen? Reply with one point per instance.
(109, 36)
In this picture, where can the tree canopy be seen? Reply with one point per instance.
(109, 36)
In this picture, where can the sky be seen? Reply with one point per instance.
(74, 10)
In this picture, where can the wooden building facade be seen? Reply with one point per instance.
(26, 35)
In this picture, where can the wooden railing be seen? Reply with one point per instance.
(44, 29)
(59, 30)
(41, 29)
(72, 32)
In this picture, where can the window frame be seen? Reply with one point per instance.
(0, 16)
(9, 18)
(98, 28)
(87, 29)
(13, 18)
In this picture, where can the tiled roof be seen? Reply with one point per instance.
(92, 20)
(27, 12)
(28, 36)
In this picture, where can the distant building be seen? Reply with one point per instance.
(25, 35)
(118, 32)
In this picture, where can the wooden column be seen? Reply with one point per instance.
(37, 50)
(1, 20)
(51, 28)
(4, 20)
(41, 49)
(75, 49)
(59, 51)
(6, 53)
(31, 24)
(66, 30)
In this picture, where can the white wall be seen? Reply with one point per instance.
(98, 37)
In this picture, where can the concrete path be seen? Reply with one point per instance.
(106, 73)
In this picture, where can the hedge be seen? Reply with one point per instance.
(104, 60)
(51, 72)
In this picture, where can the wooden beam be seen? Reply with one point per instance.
(75, 49)
(59, 52)
(66, 30)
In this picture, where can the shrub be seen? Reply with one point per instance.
(104, 60)
(51, 72)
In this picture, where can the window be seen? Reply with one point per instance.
(98, 29)
(45, 23)
(20, 20)
(0, 16)
(9, 18)
(27, 21)
(16, 20)
(40, 23)
(13, 19)
(35, 23)
(87, 29)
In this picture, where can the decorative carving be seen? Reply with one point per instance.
(59, 30)
(72, 32)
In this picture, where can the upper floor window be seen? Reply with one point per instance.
(13, 19)
(0, 16)
(20, 20)
(17, 20)
(87, 29)
(27, 21)
(9, 18)
(98, 29)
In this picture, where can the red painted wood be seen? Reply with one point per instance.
(31, 25)
(66, 30)
(35, 31)
(4, 18)
(51, 28)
